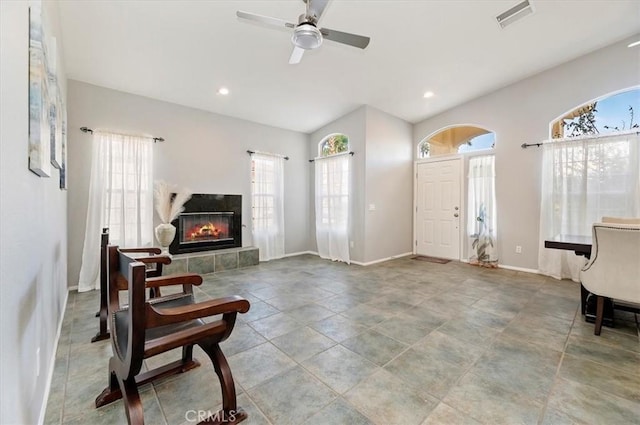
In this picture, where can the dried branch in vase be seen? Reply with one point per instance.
(169, 201)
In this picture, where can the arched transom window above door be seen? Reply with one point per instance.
(464, 138)
(333, 144)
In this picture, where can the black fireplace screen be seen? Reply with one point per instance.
(205, 227)
(208, 222)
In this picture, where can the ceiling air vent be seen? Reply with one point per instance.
(518, 11)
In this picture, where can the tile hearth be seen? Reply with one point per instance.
(215, 261)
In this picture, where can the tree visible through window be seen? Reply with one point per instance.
(336, 143)
(611, 114)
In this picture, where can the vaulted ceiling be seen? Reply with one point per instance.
(184, 51)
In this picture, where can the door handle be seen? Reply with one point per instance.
(455, 215)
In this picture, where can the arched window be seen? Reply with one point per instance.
(610, 114)
(464, 138)
(591, 172)
(333, 144)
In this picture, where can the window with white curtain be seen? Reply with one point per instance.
(267, 204)
(120, 198)
(482, 215)
(332, 193)
(584, 179)
(128, 206)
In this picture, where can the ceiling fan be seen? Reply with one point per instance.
(306, 34)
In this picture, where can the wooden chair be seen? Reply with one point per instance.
(102, 313)
(152, 258)
(146, 328)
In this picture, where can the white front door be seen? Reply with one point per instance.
(438, 209)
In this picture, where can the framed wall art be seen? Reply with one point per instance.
(39, 112)
(55, 105)
(63, 144)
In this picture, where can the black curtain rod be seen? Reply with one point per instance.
(89, 130)
(526, 145)
(350, 153)
(252, 152)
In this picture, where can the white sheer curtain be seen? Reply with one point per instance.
(332, 187)
(120, 198)
(583, 180)
(482, 218)
(267, 204)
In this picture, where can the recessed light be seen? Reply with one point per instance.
(428, 94)
(634, 44)
(223, 91)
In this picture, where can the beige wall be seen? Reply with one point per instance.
(389, 186)
(522, 113)
(33, 231)
(203, 151)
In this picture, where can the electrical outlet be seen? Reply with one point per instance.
(38, 362)
(518, 249)
(351, 244)
(372, 207)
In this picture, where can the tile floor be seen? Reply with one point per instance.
(402, 342)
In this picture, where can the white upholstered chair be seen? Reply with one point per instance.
(621, 220)
(614, 268)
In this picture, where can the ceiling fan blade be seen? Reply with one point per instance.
(296, 55)
(264, 19)
(316, 8)
(345, 38)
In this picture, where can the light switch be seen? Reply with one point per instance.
(372, 207)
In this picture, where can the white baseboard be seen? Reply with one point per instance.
(72, 288)
(52, 363)
(506, 267)
(294, 254)
(357, 263)
(381, 260)
(518, 269)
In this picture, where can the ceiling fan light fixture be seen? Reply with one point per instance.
(306, 36)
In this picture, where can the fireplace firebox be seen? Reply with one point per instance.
(208, 222)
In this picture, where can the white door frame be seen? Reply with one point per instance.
(462, 203)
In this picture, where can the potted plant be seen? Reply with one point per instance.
(482, 240)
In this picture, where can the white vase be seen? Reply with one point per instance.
(165, 233)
